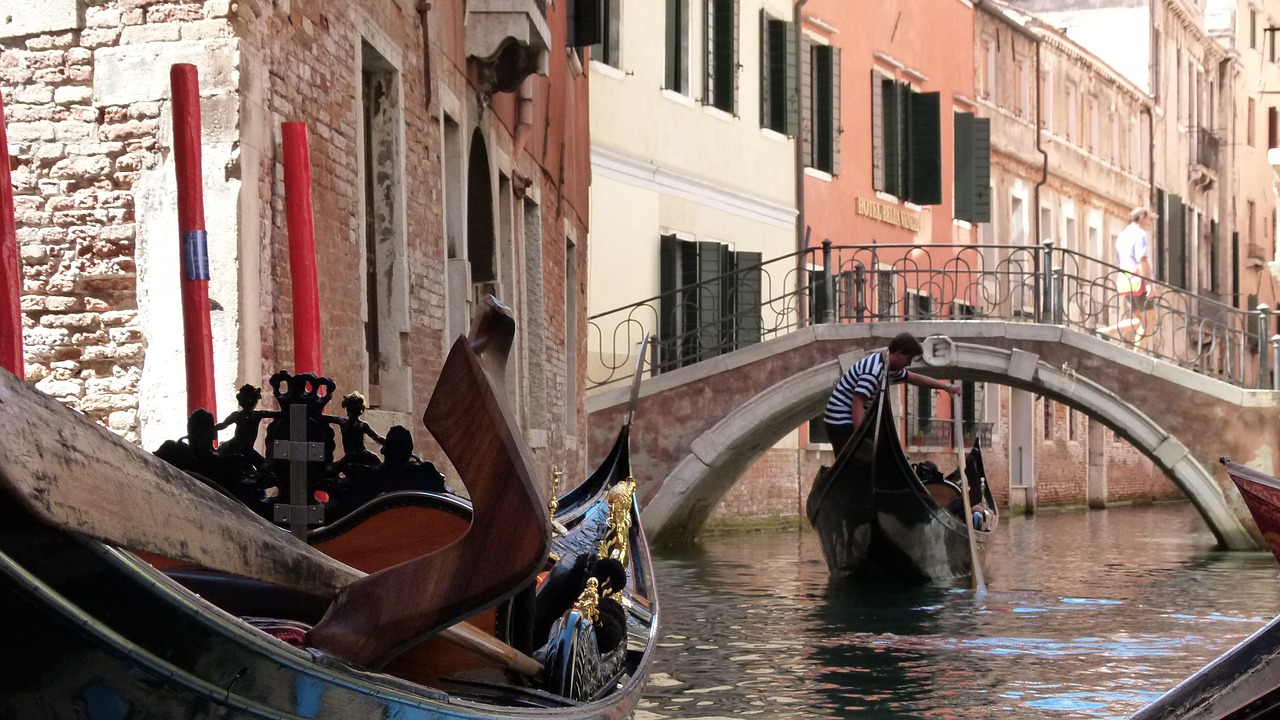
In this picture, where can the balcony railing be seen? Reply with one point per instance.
(1204, 149)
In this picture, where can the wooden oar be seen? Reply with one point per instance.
(71, 473)
(957, 440)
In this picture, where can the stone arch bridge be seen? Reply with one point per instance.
(697, 429)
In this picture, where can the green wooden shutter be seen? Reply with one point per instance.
(1215, 258)
(890, 90)
(747, 298)
(963, 170)
(982, 170)
(709, 52)
(790, 59)
(823, 113)
(806, 100)
(877, 132)
(733, 59)
(924, 149)
(767, 71)
(836, 129)
(668, 302)
(709, 298)
(677, 47)
(1177, 252)
(1156, 254)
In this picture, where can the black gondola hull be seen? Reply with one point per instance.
(877, 521)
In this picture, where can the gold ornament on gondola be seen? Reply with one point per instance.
(589, 601)
(554, 503)
(614, 544)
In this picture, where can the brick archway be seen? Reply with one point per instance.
(697, 429)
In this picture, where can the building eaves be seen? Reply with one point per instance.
(1056, 38)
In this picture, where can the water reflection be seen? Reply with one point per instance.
(1086, 615)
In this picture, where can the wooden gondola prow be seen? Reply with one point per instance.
(375, 618)
(957, 440)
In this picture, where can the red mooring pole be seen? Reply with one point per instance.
(10, 272)
(302, 248)
(195, 246)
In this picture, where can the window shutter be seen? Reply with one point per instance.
(767, 71)
(586, 23)
(1176, 272)
(1272, 135)
(671, 48)
(963, 169)
(709, 53)
(668, 303)
(895, 94)
(823, 113)
(836, 129)
(733, 59)
(708, 298)
(924, 149)
(1215, 260)
(806, 101)
(982, 170)
(790, 58)
(747, 298)
(877, 132)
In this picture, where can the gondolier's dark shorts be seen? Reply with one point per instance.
(839, 435)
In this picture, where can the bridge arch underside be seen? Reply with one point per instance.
(720, 456)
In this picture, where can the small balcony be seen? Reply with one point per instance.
(1204, 157)
(509, 40)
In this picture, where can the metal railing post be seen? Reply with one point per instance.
(1275, 362)
(1046, 281)
(860, 291)
(828, 287)
(1264, 325)
(1059, 278)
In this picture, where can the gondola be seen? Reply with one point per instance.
(172, 597)
(1244, 682)
(878, 520)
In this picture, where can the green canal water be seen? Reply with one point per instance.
(1086, 614)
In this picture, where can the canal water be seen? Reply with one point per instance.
(1086, 614)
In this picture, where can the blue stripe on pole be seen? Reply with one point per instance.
(195, 255)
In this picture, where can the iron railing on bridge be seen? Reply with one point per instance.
(1014, 283)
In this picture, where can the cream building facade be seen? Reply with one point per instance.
(681, 150)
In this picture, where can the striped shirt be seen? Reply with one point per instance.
(861, 379)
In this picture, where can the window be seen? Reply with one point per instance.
(1157, 49)
(1073, 114)
(1046, 100)
(1095, 128)
(886, 294)
(972, 173)
(383, 243)
(1048, 418)
(777, 74)
(1253, 29)
(822, 143)
(987, 86)
(1250, 120)
(605, 47)
(1017, 221)
(906, 141)
(721, 43)
(677, 47)
(1271, 128)
(710, 302)
(1024, 90)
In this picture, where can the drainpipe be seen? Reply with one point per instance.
(423, 8)
(802, 237)
(1044, 156)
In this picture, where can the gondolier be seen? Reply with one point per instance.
(863, 382)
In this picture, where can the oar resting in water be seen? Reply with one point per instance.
(71, 473)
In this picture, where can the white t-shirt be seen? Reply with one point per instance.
(1131, 246)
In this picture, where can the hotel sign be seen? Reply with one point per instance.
(889, 215)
